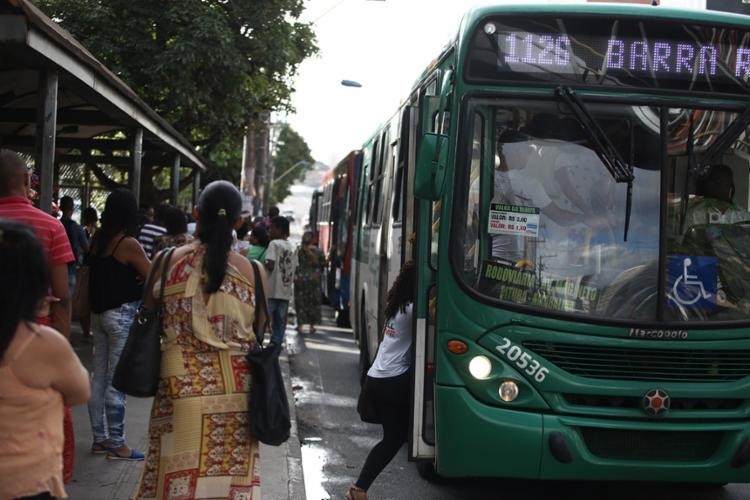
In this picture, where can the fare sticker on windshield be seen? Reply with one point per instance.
(513, 219)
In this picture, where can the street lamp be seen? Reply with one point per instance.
(287, 171)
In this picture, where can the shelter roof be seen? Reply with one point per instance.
(92, 100)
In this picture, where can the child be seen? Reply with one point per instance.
(281, 266)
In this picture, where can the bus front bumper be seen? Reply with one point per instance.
(478, 440)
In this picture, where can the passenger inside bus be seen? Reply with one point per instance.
(712, 244)
(713, 203)
(519, 195)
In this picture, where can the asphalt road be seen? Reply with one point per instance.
(335, 442)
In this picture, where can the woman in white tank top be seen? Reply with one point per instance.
(388, 380)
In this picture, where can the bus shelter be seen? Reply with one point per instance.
(86, 130)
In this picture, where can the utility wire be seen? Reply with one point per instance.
(327, 11)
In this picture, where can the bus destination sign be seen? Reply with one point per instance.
(521, 51)
(606, 52)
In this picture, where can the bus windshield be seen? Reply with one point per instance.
(544, 219)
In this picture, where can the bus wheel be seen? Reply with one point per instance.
(426, 471)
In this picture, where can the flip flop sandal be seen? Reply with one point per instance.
(135, 456)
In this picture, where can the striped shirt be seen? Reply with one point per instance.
(49, 230)
(149, 232)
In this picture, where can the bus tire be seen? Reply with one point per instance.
(427, 471)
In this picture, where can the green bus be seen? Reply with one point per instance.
(573, 183)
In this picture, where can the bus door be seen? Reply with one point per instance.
(403, 203)
(422, 431)
(386, 229)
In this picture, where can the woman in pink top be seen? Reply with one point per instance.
(39, 373)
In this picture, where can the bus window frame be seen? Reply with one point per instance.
(378, 181)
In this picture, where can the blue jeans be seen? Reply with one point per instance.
(107, 404)
(277, 309)
(71, 279)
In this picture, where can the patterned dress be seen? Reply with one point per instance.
(199, 445)
(307, 294)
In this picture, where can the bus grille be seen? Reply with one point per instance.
(679, 404)
(626, 444)
(645, 364)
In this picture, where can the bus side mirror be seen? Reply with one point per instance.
(431, 164)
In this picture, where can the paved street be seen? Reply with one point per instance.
(335, 442)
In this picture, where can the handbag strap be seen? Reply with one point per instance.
(152, 275)
(164, 273)
(260, 301)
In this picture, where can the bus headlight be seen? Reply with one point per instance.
(508, 391)
(480, 367)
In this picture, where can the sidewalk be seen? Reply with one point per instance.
(96, 478)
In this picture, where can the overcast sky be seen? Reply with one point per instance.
(383, 44)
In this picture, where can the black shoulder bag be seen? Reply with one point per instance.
(269, 407)
(137, 371)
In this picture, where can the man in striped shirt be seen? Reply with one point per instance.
(152, 230)
(14, 204)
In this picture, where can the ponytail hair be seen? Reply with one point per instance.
(219, 207)
(402, 291)
(25, 277)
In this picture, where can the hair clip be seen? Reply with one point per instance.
(222, 212)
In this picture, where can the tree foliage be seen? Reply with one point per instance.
(291, 161)
(204, 65)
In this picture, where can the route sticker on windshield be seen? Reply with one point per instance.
(513, 219)
(692, 281)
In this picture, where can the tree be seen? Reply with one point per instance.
(204, 65)
(291, 161)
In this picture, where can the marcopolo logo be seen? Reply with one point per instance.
(656, 334)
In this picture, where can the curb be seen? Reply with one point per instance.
(281, 466)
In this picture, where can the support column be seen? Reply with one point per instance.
(174, 185)
(136, 155)
(86, 198)
(46, 124)
(196, 186)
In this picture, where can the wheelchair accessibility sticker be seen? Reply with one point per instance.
(692, 281)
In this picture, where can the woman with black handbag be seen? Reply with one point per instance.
(388, 381)
(117, 267)
(199, 444)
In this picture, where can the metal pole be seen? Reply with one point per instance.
(247, 179)
(196, 186)
(175, 179)
(263, 179)
(46, 125)
(137, 156)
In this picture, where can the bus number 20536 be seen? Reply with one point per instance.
(523, 360)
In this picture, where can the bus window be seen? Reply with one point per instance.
(398, 191)
(367, 198)
(378, 182)
(708, 223)
(553, 218)
(471, 240)
(435, 233)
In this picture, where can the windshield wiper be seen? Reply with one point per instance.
(618, 169)
(728, 137)
(691, 169)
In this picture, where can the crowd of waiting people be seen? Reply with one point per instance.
(208, 317)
